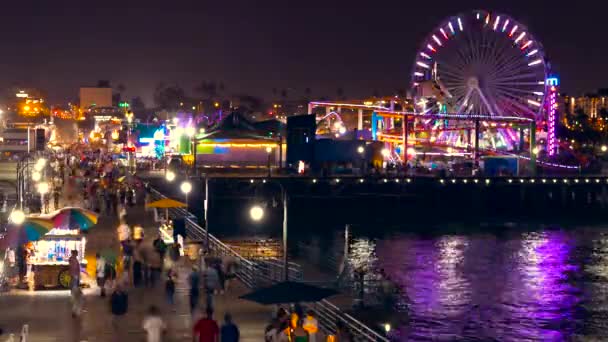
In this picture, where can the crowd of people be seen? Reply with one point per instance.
(98, 184)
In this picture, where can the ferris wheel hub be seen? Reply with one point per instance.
(473, 82)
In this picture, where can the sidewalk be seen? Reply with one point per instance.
(49, 316)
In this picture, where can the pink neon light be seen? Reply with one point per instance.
(431, 48)
(526, 45)
(504, 27)
(443, 33)
(513, 30)
(551, 140)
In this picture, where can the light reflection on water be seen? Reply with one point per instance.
(539, 286)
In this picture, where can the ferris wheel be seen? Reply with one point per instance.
(481, 63)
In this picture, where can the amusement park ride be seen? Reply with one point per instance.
(481, 85)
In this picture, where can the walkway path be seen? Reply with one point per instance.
(49, 316)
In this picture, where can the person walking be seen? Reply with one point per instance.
(74, 267)
(56, 198)
(299, 334)
(119, 305)
(100, 273)
(229, 331)
(161, 248)
(138, 264)
(154, 325)
(195, 282)
(211, 281)
(77, 301)
(206, 329)
(311, 325)
(170, 288)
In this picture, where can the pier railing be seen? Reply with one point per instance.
(265, 272)
(253, 273)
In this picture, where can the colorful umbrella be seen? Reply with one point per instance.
(71, 217)
(36, 227)
(166, 203)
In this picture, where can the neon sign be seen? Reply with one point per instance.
(552, 82)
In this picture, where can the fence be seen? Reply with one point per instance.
(265, 272)
(253, 273)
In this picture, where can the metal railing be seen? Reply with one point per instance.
(253, 273)
(328, 315)
(266, 272)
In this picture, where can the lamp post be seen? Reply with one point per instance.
(190, 131)
(43, 189)
(361, 151)
(257, 213)
(269, 152)
(186, 187)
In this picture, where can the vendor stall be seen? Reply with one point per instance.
(49, 258)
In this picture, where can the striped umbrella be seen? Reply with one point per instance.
(71, 217)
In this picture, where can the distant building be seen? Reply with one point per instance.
(95, 97)
(591, 104)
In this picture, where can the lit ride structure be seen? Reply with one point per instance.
(483, 69)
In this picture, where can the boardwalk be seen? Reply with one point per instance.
(48, 312)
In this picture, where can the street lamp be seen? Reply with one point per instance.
(40, 164)
(257, 213)
(360, 149)
(186, 187)
(36, 176)
(170, 176)
(17, 216)
(43, 188)
(604, 148)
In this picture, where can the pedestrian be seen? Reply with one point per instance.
(154, 325)
(271, 332)
(170, 288)
(174, 253)
(230, 266)
(100, 270)
(206, 329)
(195, 282)
(299, 334)
(311, 325)
(47, 201)
(342, 332)
(56, 198)
(119, 305)
(74, 266)
(161, 248)
(138, 264)
(229, 331)
(211, 282)
(77, 301)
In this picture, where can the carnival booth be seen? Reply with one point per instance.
(48, 256)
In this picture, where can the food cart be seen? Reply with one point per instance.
(49, 258)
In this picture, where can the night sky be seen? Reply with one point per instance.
(256, 45)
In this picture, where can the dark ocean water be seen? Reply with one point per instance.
(514, 285)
